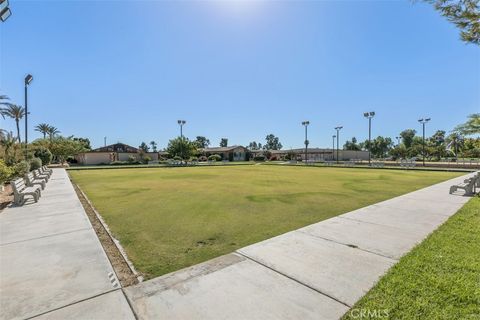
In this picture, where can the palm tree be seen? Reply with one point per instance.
(3, 102)
(15, 112)
(52, 131)
(43, 128)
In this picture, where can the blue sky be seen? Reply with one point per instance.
(129, 69)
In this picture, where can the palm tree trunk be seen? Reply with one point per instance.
(44, 135)
(18, 130)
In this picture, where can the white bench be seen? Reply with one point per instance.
(41, 176)
(31, 181)
(469, 185)
(20, 190)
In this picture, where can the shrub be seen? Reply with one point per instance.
(260, 157)
(203, 158)
(44, 154)
(193, 159)
(273, 158)
(215, 157)
(147, 159)
(35, 163)
(117, 163)
(132, 159)
(5, 172)
(177, 158)
(21, 169)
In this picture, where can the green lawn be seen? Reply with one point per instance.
(439, 279)
(170, 218)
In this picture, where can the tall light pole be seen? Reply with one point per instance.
(305, 124)
(104, 141)
(423, 121)
(28, 80)
(338, 137)
(333, 146)
(181, 123)
(369, 115)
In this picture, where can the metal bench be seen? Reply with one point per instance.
(469, 185)
(31, 181)
(20, 190)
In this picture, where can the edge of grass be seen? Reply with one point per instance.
(438, 279)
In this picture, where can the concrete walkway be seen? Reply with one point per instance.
(317, 272)
(52, 263)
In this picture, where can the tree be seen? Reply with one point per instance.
(43, 129)
(254, 146)
(465, 14)
(181, 147)
(154, 146)
(381, 146)
(352, 145)
(15, 112)
(62, 148)
(144, 147)
(52, 131)
(84, 141)
(202, 142)
(471, 127)
(407, 137)
(224, 142)
(273, 143)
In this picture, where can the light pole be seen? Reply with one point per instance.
(181, 123)
(28, 80)
(338, 137)
(423, 121)
(333, 146)
(4, 10)
(369, 115)
(305, 124)
(104, 141)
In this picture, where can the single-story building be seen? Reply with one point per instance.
(233, 153)
(316, 154)
(111, 153)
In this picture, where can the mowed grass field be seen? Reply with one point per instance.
(171, 218)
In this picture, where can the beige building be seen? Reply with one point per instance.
(233, 153)
(316, 154)
(111, 153)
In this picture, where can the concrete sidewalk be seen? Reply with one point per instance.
(317, 272)
(52, 263)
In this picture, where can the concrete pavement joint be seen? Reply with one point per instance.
(293, 279)
(47, 236)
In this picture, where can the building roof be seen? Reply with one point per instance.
(117, 147)
(221, 149)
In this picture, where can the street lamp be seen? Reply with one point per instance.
(338, 137)
(369, 115)
(305, 124)
(333, 146)
(28, 80)
(181, 123)
(423, 121)
(5, 12)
